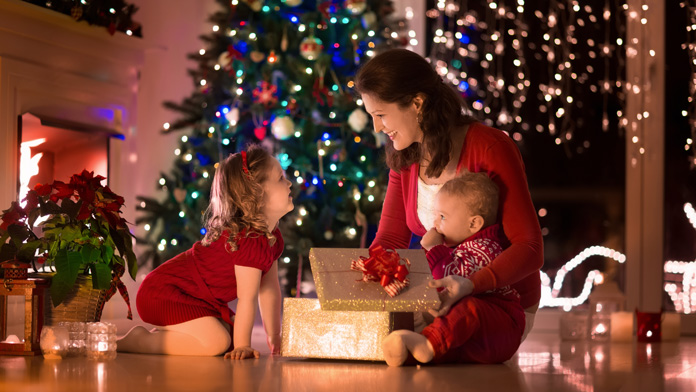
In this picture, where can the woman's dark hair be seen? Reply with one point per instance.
(398, 76)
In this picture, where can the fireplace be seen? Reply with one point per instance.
(68, 95)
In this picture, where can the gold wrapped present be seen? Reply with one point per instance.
(340, 288)
(310, 332)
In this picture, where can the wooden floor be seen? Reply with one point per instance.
(543, 363)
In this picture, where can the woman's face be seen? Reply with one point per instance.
(399, 124)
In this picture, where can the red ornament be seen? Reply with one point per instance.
(260, 132)
(265, 94)
(321, 93)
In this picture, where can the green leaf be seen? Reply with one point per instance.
(101, 276)
(28, 251)
(90, 254)
(107, 253)
(50, 208)
(67, 267)
(69, 233)
(18, 233)
(71, 208)
(8, 251)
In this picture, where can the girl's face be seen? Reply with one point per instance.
(400, 124)
(276, 194)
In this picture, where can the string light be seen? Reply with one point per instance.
(690, 47)
(463, 38)
(549, 293)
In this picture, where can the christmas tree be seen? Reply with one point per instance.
(279, 73)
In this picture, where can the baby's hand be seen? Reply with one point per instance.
(274, 343)
(431, 239)
(242, 353)
(455, 288)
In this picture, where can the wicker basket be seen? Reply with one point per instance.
(83, 303)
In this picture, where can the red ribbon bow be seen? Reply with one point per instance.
(385, 267)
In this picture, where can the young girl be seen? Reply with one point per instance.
(237, 259)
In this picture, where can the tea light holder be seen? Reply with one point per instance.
(101, 341)
(54, 342)
(573, 325)
(649, 326)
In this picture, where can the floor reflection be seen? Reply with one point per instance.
(543, 363)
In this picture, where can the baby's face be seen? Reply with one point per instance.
(453, 218)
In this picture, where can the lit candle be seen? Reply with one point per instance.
(622, 327)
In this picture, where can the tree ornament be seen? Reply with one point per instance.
(260, 132)
(255, 5)
(357, 120)
(368, 19)
(293, 3)
(256, 56)
(226, 58)
(179, 195)
(233, 116)
(284, 40)
(356, 7)
(282, 127)
(265, 94)
(310, 47)
(76, 12)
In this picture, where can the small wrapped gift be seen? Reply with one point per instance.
(341, 288)
(310, 332)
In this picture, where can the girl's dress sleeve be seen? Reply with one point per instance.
(254, 251)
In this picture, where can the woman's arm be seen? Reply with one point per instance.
(393, 233)
(248, 281)
(524, 257)
(269, 301)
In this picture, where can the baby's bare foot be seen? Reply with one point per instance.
(398, 344)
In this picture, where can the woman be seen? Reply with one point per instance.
(432, 140)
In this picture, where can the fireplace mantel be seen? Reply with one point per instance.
(53, 66)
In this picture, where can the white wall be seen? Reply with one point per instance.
(172, 27)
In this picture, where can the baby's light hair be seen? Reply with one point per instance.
(479, 193)
(236, 198)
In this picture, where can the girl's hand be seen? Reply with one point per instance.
(431, 239)
(242, 353)
(274, 343)
(455, 288)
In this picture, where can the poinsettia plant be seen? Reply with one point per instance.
(71, 229)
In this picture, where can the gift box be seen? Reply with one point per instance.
(310, 332)
(341, 288)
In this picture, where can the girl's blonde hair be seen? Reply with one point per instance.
(236, 198)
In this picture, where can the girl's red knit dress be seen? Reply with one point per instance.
(201, 281)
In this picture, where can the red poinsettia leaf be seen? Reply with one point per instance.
(12, 215)
(43, 190)
(87, 195)
(84, 211)
(32, 200)
(63, 190)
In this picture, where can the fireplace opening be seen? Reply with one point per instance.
(53, 149)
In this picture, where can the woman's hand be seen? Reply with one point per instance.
(242, 353)
(274, 343)
(431, 239)
(455, 288)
